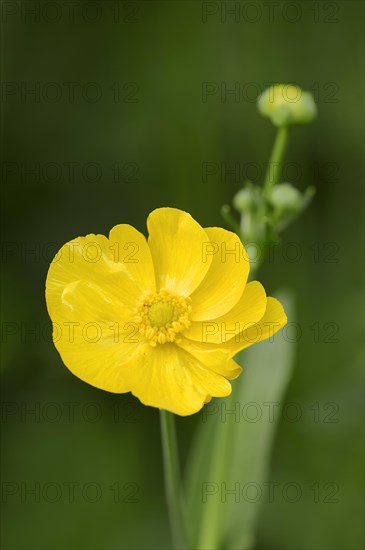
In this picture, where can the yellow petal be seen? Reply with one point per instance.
(272, 321)
(96, 259)
(95, 337)
(225, 281)
(211, 356)
(169, 378)
(248, 311)
(177, 244)
(131, 250)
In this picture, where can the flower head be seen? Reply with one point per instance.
(286, 104)
(161, 318)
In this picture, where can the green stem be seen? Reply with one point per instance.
(211, 524)
(174, 495)
(276, 159)
(272, 178)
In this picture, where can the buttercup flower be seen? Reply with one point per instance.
(161, 318)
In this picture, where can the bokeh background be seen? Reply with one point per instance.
(105, 118)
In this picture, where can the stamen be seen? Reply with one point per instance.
(161, 316)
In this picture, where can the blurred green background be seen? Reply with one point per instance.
(104, 120)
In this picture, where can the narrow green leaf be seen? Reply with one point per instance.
(230, 457)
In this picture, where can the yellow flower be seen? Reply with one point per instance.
(160, 318)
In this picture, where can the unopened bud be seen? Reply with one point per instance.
(286, 104)
(244, 200)
(248, 199)
(285, 198)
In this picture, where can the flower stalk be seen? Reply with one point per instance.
(276, 159)
(173, 487)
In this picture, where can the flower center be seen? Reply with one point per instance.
(161, 316)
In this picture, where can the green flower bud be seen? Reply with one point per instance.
(284, 198)
(244, 200)
(286, 104)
